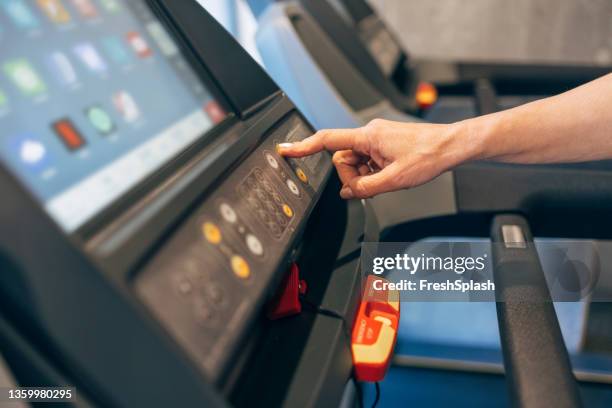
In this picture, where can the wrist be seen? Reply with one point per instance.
(475, 138)
(467, 142)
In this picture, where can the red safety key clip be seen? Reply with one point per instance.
(287, 299)
(375, 331)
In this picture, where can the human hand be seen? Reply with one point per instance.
(385, 156)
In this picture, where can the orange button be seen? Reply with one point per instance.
(211, 232)
(301, 175)
(240, 267)
(287, 210)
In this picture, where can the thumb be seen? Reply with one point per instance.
(373, 184)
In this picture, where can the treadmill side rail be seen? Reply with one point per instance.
(535, 357)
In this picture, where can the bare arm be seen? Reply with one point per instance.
(385, 156)
(571, 127)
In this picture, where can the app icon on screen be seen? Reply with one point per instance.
(86, 8)
(54, 10)
(20, 13)
(138, 44)
(115, 49)
(68, 134)
(90, 57)
(30, 151)
(112, 6)
(24, 77)
(126, 106)
(162, 38)
(100, 120)
(62, 68)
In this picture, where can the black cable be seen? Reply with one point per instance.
(377, 396)
(359, 391)
(331, 313)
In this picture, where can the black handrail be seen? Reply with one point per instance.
(538, 368)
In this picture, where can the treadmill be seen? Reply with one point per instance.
(149, 227)
(147, 221)
(492, 85)
(358, 46)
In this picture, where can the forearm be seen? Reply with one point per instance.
(386, 156)
(572, 127)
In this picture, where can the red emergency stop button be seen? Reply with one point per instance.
(375, 331)
(426, 95)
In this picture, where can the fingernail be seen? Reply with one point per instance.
(284, 145)
(346, 193)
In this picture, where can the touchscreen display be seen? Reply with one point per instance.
(94, 97)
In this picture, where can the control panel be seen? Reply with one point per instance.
(380, 43)
(209, 280)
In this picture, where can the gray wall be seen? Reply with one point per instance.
(573, 31)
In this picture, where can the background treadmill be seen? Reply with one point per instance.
(147, 220)
(374, 54)
(487, 86)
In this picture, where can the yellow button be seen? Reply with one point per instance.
(211, 232)
(287, 210)
(240, 267)
(301, 175)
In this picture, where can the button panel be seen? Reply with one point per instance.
(266, 201)
(211, 277)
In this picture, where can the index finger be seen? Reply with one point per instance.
(329, 139)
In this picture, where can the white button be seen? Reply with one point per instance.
(254, 244)
(272, 161)
(228, 213)
(293, 187)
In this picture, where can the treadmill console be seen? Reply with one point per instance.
(377, 38)
(212, 274)
(82, 124)
(380, 42)
(144, 161)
